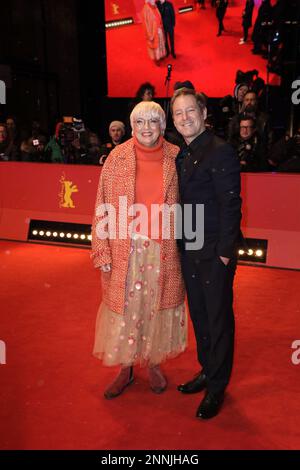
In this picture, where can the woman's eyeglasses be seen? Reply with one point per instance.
(153, 123)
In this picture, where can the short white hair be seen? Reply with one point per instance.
(149, 110)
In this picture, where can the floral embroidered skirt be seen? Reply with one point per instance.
(143, 334)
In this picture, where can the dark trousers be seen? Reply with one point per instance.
(246, 29)
(169, 35)
(221, 25)
(209, 287)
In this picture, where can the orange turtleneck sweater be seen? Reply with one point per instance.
(149, 181)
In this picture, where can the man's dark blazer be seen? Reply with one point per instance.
(168, 15)
(209, 173)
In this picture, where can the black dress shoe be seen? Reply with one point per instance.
(210, 405)
(195, 385)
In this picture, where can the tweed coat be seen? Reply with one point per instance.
(118, 178)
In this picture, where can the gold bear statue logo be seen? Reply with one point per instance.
(68, 188)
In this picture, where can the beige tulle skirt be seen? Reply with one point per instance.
(143, 334)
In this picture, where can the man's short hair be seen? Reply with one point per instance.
(247, 117)
(185, 84)
(201, 98)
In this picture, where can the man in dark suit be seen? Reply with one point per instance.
(209, 175)
(247, 19)
(168, 18)
(220, 13)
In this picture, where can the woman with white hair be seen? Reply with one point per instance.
(142, 317)
(154, 31)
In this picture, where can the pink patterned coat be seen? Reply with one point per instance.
(118, 179)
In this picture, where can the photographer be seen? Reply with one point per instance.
(8, 150)
(73, 141)
(285, 153)
(116, 134)
(250, 148)
(34, 150)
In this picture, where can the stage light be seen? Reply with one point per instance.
(241, 252)
(47, 231)
(185, 9)
(258, 253)
(250, 252)
(116, 24)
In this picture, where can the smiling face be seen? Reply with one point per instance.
(188, 118)
(147, 130)
(148, 122)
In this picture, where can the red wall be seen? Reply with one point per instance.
(271, 208)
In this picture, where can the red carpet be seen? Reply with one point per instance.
(51, 387)
(210, 62)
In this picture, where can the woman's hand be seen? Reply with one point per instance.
(106, 268)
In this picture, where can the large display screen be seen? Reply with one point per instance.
(209, 61)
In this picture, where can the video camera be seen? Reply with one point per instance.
(71, 129)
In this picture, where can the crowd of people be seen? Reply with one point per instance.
(159, 22)
(240, 119)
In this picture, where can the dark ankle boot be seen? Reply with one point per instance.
(158, 382)
(124, 378)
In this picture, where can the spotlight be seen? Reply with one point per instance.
(250, 252)
(34, 232)
(258, 253)
(75, 236)
(41, 233)
(48, 234)
(61, 234)
(241, 252)
(69, 235)
(89, 237)
(54, 234)
(82, 237)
